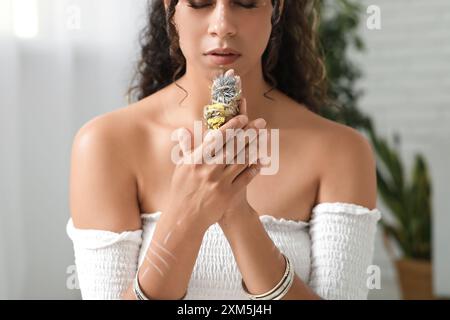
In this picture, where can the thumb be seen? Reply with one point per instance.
(243, 107)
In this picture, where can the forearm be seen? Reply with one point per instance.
(259, 260)
(167, 268)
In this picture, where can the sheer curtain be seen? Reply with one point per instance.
(62, 63)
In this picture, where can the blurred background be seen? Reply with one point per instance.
(63, 62)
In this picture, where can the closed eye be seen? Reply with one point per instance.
(201, 6)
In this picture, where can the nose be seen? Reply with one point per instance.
(221, 23)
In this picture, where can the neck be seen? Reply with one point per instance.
(199, 93)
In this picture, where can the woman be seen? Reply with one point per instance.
(144, 227)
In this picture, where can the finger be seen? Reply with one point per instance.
(246, 176)
(252, 131)
(243, 146)
(247, 157)
(247, 154)
(229, 72)
(243, 107)
(218, 138)
(221, 154)
(213, 136)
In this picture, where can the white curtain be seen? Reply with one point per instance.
(61, 63)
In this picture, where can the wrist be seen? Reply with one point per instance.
(185, 222)
(193, 224)
(237, 216)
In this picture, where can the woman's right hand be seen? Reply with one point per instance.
(202, 190)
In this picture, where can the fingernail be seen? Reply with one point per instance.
(243, 120)
(260, 123)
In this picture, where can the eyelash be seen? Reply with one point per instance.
(192, 5)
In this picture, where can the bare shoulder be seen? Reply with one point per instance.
(348, 166)
(344, 157)
(102, 183)
(102, 130)
(111, 134)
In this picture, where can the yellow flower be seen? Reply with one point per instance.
(215, 115)
(215, 122)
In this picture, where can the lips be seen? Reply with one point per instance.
(218, 59)
(223, 56)
(222, 51)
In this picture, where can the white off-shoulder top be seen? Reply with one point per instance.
(331, 253)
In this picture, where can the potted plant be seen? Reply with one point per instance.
(409, 202)
(410, 205)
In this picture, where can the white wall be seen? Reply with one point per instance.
(407, 90)
(49, 86)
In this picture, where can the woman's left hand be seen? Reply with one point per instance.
(239, 204)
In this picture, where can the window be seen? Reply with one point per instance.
(19, 18)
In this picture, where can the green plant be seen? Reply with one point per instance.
(338, 34)
(410, 203)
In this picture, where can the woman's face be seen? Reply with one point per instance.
(242, 25)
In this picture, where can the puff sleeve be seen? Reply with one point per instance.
(342, 246)
(106, 262)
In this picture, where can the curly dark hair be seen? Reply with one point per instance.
(292, 61)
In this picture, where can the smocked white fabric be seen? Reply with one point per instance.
(331, 253)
